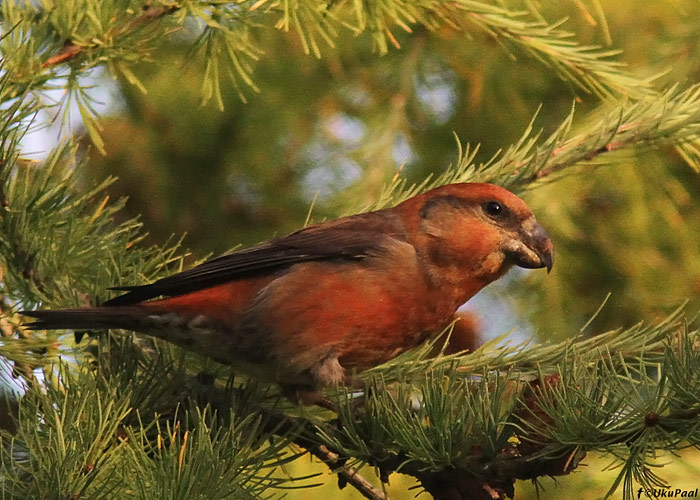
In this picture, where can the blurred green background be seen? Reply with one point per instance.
(322, 135)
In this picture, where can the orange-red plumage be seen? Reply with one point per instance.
(345, 294)
(223, 302)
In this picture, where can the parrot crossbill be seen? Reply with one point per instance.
(346, 294)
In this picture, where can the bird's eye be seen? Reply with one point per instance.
(493, 209)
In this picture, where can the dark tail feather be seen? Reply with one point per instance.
(127, 317)
(134, 295)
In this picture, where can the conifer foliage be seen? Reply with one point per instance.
(117, 415)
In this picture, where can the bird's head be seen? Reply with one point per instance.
(482, 229)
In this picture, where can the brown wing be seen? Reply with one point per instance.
(349, 238)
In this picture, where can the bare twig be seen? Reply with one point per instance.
(348, 474)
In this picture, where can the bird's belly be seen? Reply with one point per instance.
(361, 318)
(399, 332)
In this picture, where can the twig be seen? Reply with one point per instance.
(299, 431)
(303, 434)
(477, 477)
(348, 474)
(607, 148)
(70, 50)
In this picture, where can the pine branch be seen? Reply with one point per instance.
(497, 356)
(462, 425)
(569, 398)
(671, 119)
(71, 50)
(57, 246)
(469, 428)
(531, 437)
(228, 42)
(346, 475)
(296, 430)
(123, 425)
(588, 67)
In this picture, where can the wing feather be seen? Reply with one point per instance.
(349, 238)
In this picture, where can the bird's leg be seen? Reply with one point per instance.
(307, 396)
(378, 387)
(326, 372)
(360, 392)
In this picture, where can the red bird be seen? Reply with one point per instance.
(345, 294)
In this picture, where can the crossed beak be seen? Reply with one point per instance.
(531, 248)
